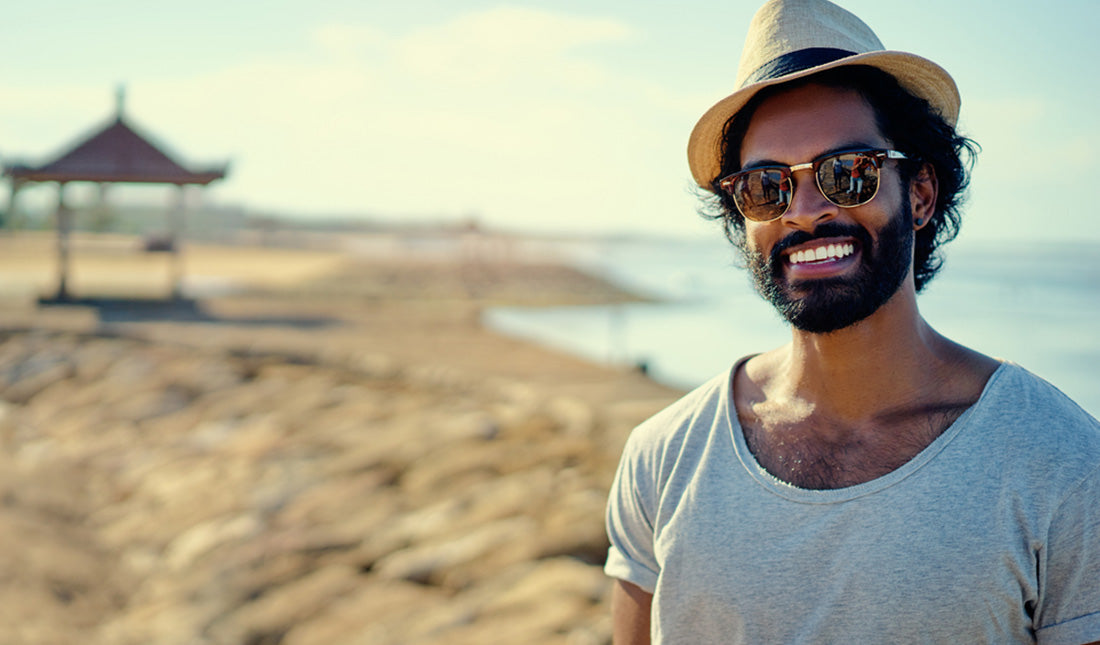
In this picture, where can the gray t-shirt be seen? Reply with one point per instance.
(990, 535)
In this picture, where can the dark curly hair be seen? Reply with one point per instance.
(908, 122)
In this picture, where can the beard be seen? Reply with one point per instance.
(828, 304)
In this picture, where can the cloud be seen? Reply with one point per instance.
(506, 45)
(502, 112)
(509, 113)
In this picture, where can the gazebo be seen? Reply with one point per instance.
(111, 155)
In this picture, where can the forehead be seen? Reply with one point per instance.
(799, 124)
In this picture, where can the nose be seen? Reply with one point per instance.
(808, 207)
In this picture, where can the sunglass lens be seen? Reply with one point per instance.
(762, 194)
(848, 179)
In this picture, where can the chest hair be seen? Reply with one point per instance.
(817, 455)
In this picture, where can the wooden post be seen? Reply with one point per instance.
(175, 234)
(64, 223)
(8, 223)
(101, 217)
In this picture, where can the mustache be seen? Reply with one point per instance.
(828, 229)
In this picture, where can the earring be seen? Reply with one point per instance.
(918, 221)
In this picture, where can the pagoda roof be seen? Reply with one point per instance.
(116, 153)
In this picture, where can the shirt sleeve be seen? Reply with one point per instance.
(1070, 592)
(630, 529)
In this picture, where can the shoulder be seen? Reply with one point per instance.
(671, 452)
(700, 405)
(683, 424)
(1015, 393)
(1034, 419)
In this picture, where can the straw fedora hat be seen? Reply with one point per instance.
(790, 39)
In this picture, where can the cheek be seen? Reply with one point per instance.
(892, 194)
(762, 237)
(755, 235)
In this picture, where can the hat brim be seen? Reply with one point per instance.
(918, 75)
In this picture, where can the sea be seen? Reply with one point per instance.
(1036, 304)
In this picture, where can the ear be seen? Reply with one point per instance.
(923, 190)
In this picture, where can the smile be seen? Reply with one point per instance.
(824, 252)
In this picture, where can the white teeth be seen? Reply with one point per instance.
(822, 253)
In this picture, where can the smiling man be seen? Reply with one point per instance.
(871, 481)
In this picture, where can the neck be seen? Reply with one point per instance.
(888, 360)
(839, 409)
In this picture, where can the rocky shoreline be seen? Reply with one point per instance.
(400, 476)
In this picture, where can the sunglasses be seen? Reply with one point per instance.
(847, 179)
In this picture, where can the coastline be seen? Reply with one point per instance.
(1032, 303)
(340, 451)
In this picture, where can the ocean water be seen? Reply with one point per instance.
(1037, 305)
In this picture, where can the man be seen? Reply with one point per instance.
(856, 185)
(871, 481)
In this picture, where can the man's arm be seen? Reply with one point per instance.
(630, 606)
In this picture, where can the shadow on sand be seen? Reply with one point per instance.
(126, 310)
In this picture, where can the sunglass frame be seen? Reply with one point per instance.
(877, 157)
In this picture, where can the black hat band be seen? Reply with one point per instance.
(796, 61)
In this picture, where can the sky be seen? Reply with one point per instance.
(560, 116)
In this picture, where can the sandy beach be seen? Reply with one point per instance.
(322, 448)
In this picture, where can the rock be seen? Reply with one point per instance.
(55, 583)
(554, 576)
(35, 376)
(432, 561)
(269, 617)
(379, 612)
(154, 493)
(574, 417)
(183, 550)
